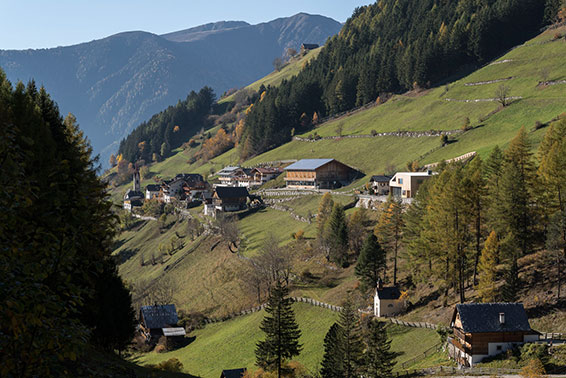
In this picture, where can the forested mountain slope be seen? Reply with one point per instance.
(115, 83)
(392, 46)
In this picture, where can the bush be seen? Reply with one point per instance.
(172, 365)
(534, 369)
(373, 132)
(299, 235)
(538, 125)
(534, 351)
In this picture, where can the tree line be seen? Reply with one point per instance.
(391, 46)
(60, 293)
(153, 140)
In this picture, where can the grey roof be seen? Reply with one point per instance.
(231, 192)
(132, 194)
(190, 176)
(227, 170)
(484, 317)
(308, 164)
(233, 373)
(174, 331)
(159, 316)
(389, 293)
(153, 187)
(380, 178)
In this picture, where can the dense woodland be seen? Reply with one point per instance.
(165, 131)
(392, 46)
(60, 293)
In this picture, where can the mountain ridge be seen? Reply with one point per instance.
(115, 83)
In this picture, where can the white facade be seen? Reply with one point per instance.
(406, 184)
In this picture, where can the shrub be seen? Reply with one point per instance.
(534, 352)
(538, 125)
(160, 348)
(534, 369)
(299, 235)
(373, 132)
(172, 365)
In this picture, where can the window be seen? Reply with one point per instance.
(400, 181)
(389, 305)
(499, 347)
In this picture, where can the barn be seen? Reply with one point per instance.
(319, 174)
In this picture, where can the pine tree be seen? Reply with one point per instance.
(389, 229)
(356, 230)
(493, 205)
(337, 236)
(510, 289)
(487, 290)
(352, 344)
(332, 361)
(371, 263)
(281, 331)
(378, 359)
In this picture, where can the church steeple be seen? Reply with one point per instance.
(137, 180)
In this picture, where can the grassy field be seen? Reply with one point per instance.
(231, 344)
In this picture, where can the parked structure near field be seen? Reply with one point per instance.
(406, 184)
(380, 184)
(229, 198)
(161, 320)
(486, 329)
(387, 301)
(319, 174)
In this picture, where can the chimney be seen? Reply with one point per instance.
(502, 318)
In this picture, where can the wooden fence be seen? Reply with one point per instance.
(414, 324)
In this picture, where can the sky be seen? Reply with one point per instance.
(44, 23)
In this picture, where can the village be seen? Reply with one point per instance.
(232, 190)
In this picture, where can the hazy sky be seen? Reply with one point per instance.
(50, 23)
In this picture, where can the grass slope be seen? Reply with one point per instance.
(231, 344)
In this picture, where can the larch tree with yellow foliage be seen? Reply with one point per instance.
(487, 290)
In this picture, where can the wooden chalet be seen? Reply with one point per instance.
(261, 175)
(161, 320)
(233, 373)
(227, 175)
(308, 46)
(181, 187)
(230, 198)
(319, 174)
(486, 329)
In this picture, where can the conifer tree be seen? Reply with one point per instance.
(337, 236)
(371, 263)
(418, 249)
(352, 344)
(389, 229)
(510, 289)
(332, 361)
(356, 230)
(487, 272)
(493, 173)
(378, 359)
(281, 332)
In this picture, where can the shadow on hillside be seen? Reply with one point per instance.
(423, 301)
(124, 255)
(545, 309)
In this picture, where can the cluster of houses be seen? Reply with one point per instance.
(231, 193)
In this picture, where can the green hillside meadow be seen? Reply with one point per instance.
(231, 344)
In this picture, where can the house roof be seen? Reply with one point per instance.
(233, 373)
(173, 331)
(231, 192)
(153, 187)
(380, 178)
(415, 174)
(132, 194)
(484, 317)
(227, 170)
(389, 293)
(267, 170)
(310, 45)
(159, 316)
(308, 164)
(189, 176)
